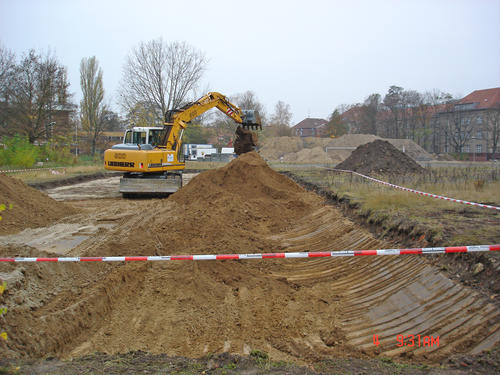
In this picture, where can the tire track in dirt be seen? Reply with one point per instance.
(391, 296)
(303, 310)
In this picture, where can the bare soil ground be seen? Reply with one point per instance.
(300, 311)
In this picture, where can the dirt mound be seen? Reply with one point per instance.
(307, 155)
(410, 148)
(289, 148)
(229, 209)
(275, 147)
(352, 140)
(327, 150)
(27, 207)
(380, 157)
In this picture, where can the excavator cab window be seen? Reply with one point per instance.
(156, 136)
(138, 138)
(128, 137)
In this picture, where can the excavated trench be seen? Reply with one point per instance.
(302, 309)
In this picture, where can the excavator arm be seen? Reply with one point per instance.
(177, 120)
(156, 167)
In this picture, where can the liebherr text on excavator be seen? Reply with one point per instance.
(152, 159)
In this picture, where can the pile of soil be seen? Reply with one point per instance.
(327, 150)
(410, 148)
(306, 155)
(245, 140)
(382, 158)
(27, 207)
(273, 148)
(226, 210)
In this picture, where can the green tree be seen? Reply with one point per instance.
(195, 133)
(336, 126)
(92, 107)
(18, 151)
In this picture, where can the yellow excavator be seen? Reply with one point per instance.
(152, 159)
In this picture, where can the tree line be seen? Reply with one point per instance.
(433, 119)
(36, 101)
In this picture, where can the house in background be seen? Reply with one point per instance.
(472, 125)
(310, 127)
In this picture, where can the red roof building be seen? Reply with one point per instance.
(470, 126)
(481, 99)
(310, 127)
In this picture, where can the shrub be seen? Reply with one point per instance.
(3, 310)
(18, 152)
(57, 150)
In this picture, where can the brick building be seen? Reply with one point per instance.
(471, 126)
(310, 127)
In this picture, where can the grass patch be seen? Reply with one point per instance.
(441, 222)
(398, 367)
(52, 174)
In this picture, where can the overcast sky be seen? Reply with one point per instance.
(313, 55)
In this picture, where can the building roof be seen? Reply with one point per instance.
(484, 99)
(310, 123)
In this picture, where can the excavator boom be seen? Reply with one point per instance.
(156, 167)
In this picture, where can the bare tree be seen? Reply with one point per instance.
(249, 100)
(112, 122)
(280, 119)
(459, 126)
(370, 110)
(39, 89)
(493, 127)
(224, 127)
(392, 100)
(160, 75)
(92, 107)
(437, 102)
(141, 115)
(7, 75)
(352, 117)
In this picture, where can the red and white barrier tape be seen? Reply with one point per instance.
(417, 191)
(30, 170)
(321, 254)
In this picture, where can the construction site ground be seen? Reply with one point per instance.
(223, 317)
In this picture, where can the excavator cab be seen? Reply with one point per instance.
(251, 119)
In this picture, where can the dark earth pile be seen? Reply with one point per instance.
(380, 157)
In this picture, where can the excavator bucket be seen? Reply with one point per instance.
(251, 119)
(245, 140)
